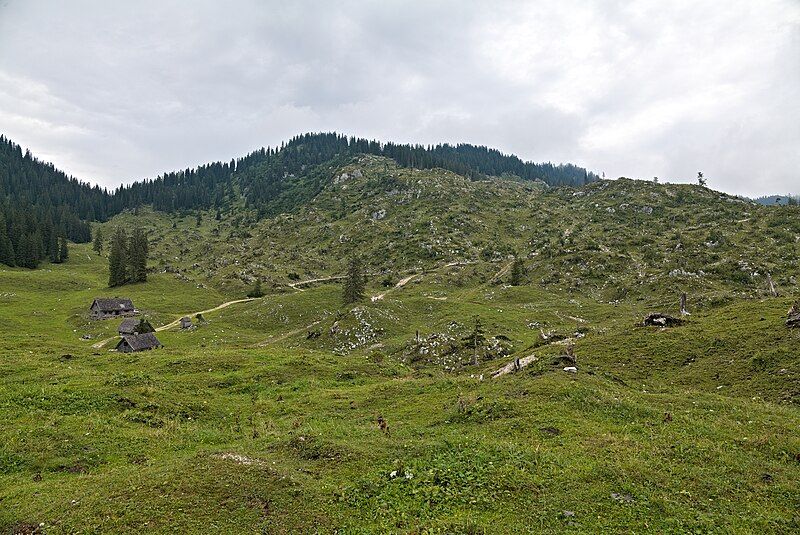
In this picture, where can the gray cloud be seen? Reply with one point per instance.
(114, 92)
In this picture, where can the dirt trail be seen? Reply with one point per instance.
(284, 336)
(405, 280)
(296, 285)
(400, 284)
(101, 343)
(223, 305)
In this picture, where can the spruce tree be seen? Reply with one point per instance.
(475, 339)
(144, 326)
(137, 256)
(98, 241)
(355, 282)
(7, 256)
(118, 259)
(701, 179)
(517, 272)
(22, 250)
(256, 291)
(53, 250)
(63, 252)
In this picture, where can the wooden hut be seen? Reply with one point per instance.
(111, 307)
(138, 342)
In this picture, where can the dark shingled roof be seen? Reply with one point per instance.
(142, 341)
(109, 304)
(128, 326)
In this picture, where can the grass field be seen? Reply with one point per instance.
(247, 424)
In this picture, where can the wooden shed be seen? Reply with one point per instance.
(111, 307)
(138, 342)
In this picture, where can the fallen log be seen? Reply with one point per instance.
(514, 366)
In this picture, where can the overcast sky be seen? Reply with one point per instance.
(117, 91)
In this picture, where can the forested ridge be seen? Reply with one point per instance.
(40, 205)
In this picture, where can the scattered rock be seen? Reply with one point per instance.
(622, 498)
(240, 459)
(767, 478)
(657, 319)
(571, 369)
(554, 431)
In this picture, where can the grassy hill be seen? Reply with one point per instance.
(609, 239)
(265, 418)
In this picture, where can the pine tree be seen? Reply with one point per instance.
(355, 282)
(256, 291)
(137, 256)
(63, 252)
(98, 241)
(29, 251)
(475, 339)
(53, 249)
(118, 259)
(144, 326)
(517, 272)
(22, 250)
(7, 256)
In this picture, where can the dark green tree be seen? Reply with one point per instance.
(475, 339)
(517, 272)
(256, 290)
(22, 250)
(138, 251)
(354, 282)
(63, 251)
(7, 256)
(98, 241)
(53, 249)
(144, 326)
(701, 179)
(118, 258)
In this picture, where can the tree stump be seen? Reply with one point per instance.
(794, 316)
(684, 312)
(773, 292)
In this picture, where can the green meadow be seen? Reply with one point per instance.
(264, 418)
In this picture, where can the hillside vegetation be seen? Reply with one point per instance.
(293, 413)
(40, 204)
